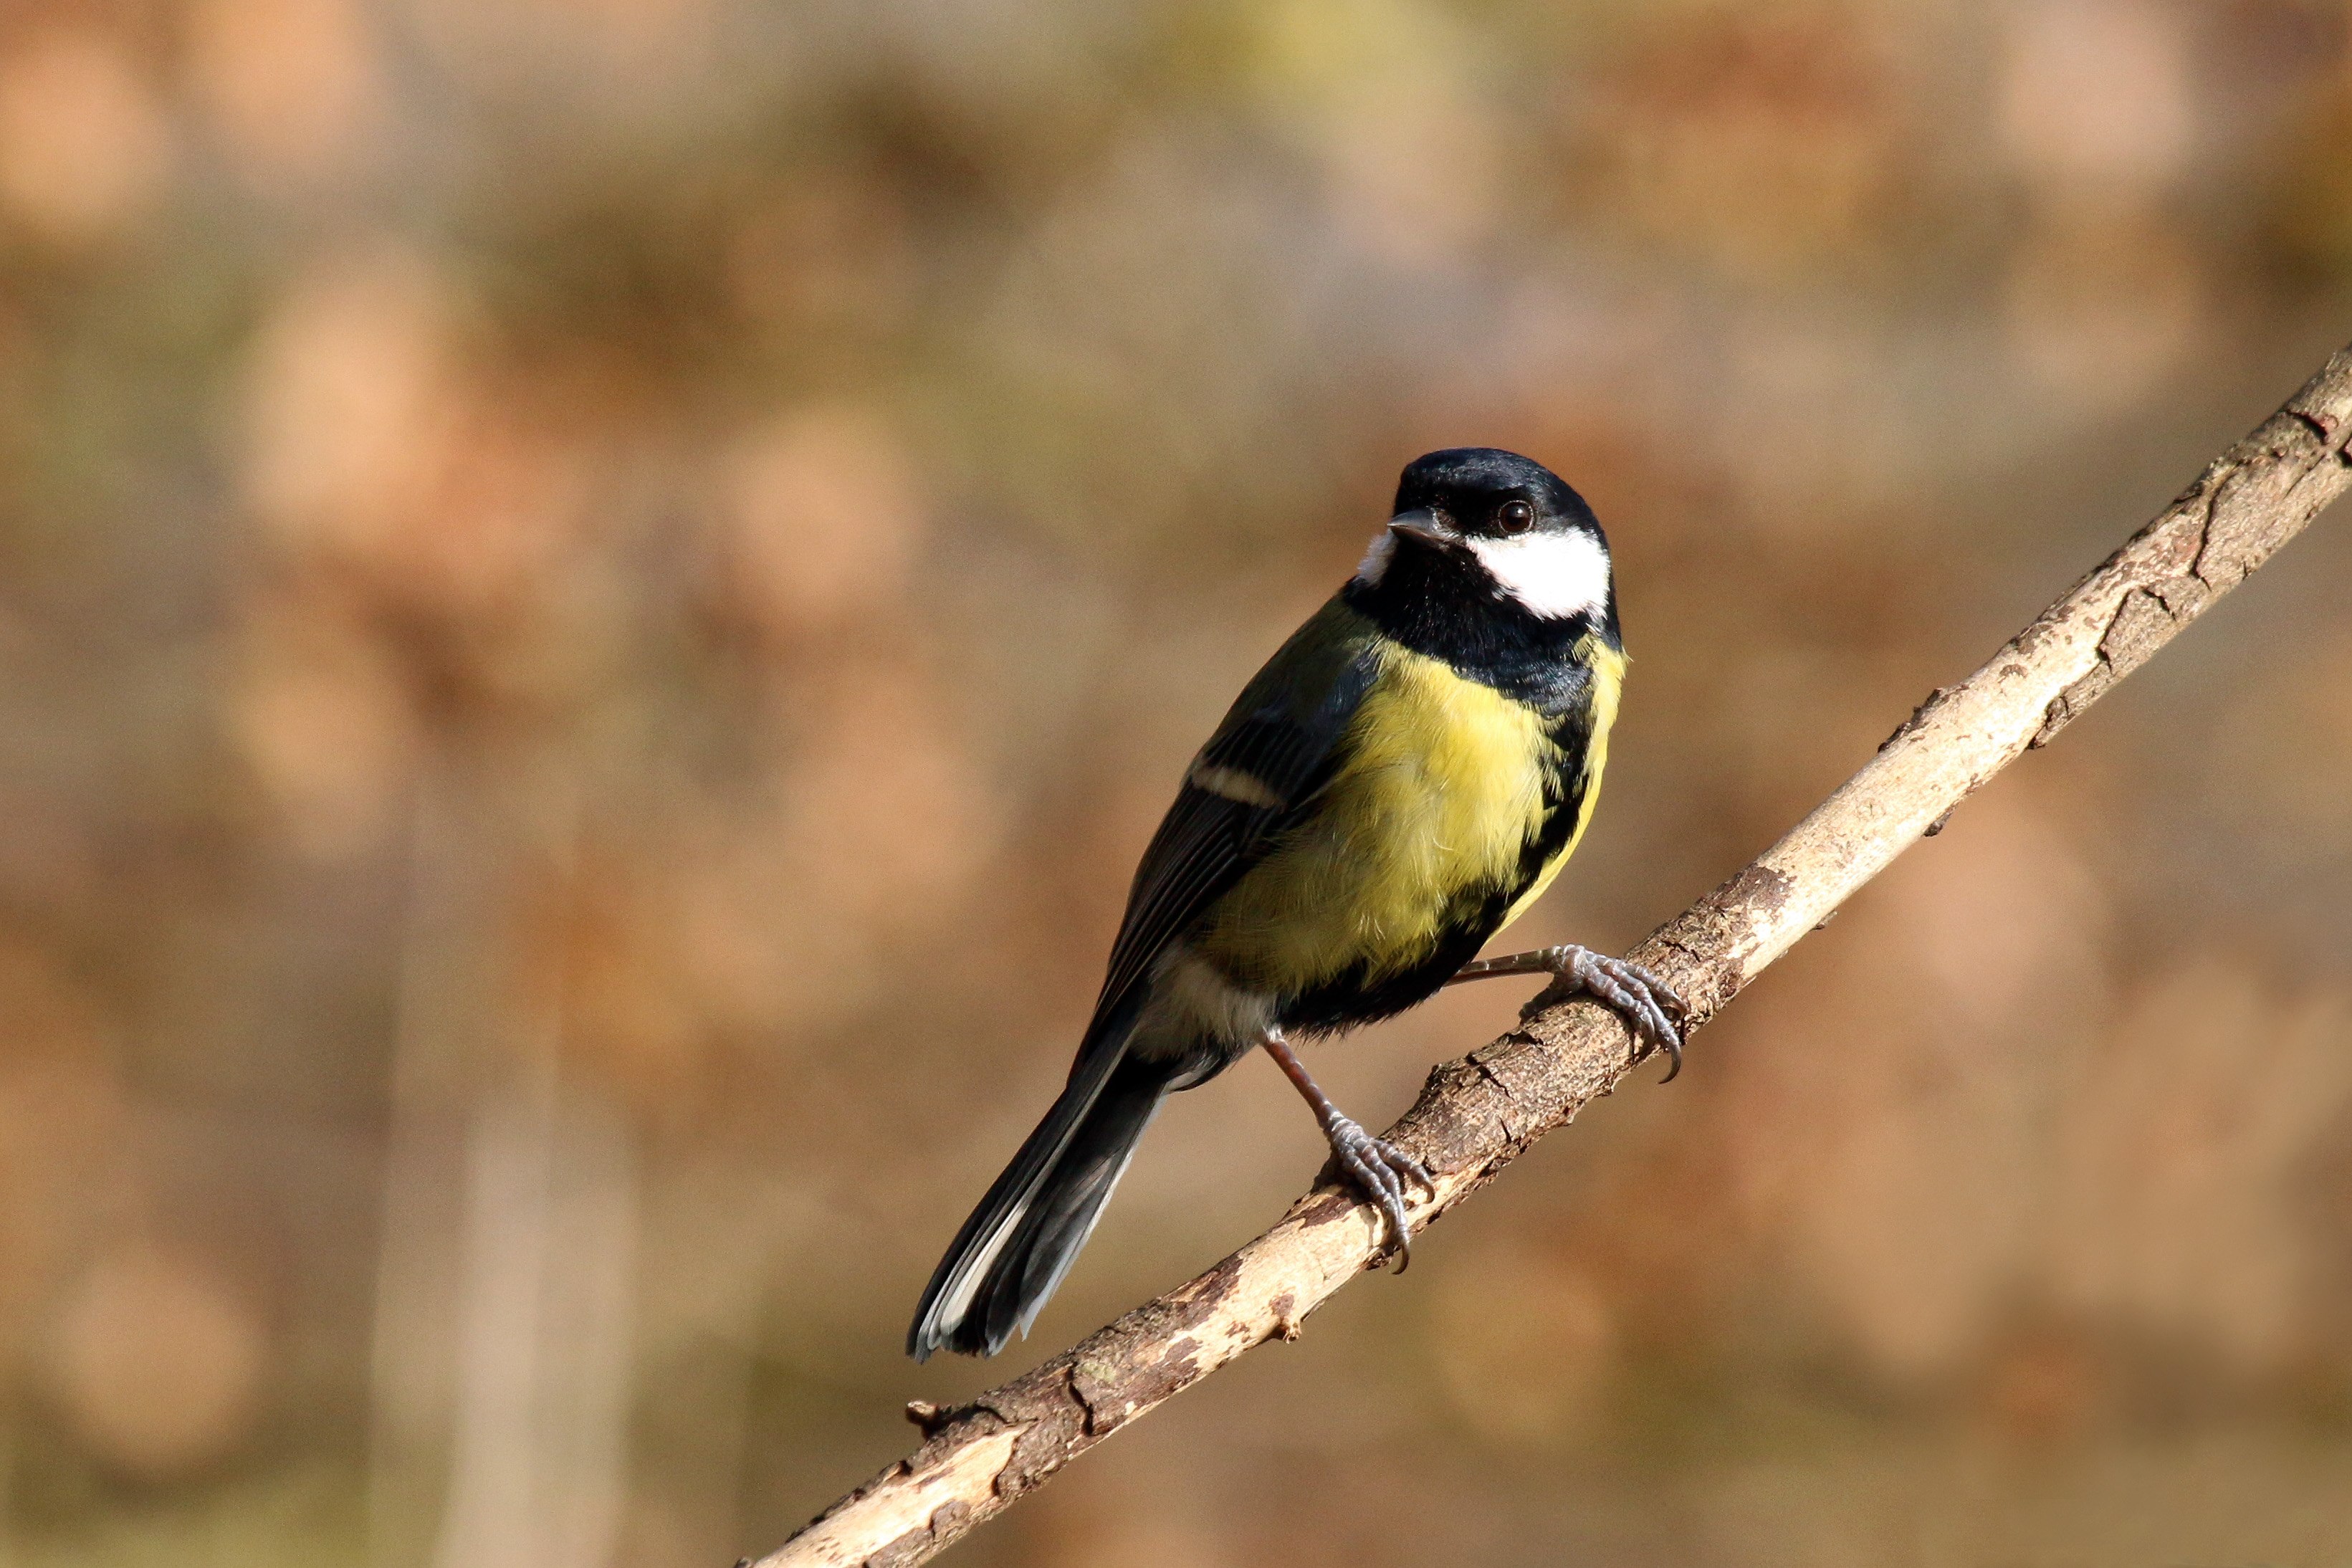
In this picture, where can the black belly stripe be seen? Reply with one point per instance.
(1564, 788)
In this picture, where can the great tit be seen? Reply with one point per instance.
(1406, 775)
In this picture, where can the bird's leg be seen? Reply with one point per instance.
(1645, 1002)
(1376, 1167)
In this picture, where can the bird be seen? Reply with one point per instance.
(1406, 775)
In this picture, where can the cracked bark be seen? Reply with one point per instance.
(1476, 1115)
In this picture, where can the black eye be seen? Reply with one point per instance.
(1515, 517)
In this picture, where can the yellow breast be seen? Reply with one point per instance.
(1439, 793)
(1608, 666)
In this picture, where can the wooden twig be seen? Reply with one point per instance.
(1476, 1115)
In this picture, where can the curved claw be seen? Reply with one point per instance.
(1377, 1169)
(1646, 1003)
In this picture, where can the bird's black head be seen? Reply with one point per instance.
(1484, 492)
(1486, 535)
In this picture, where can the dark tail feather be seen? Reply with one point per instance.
(1022, 1239)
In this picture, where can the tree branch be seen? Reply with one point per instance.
(1476, 1115)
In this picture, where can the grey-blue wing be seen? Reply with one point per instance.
(1254, 778)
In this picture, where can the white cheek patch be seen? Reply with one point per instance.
(1375, 559)
(1555, 575)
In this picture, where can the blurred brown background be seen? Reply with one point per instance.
(598, 599)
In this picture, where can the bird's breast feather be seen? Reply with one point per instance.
(1438, 787)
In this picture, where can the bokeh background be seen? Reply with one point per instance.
(596, 600)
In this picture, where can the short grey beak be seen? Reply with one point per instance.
(1423, 524)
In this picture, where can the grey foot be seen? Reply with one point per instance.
(1646, 1003)
(1379, 1170)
